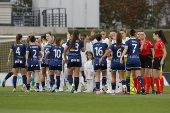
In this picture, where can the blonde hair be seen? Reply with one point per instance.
(51, 40)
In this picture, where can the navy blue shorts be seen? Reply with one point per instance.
(102, 66)
(33, 68)
(55, 67)
(136, 66)
(74, 63)
(19, 64)
(117, 66)
(44, 65)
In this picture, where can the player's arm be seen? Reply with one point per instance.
(124, 52)
(39, 55)
(65, 50)
(141, 48)
(9, 56)
(153, 52)
(27, 53)
(46, 55)
(110, 40)
(106, 53)
(164, 56)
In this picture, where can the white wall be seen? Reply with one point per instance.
(80, 13)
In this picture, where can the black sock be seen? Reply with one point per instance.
(76, 82)
(37, 85)
(14, 81)
(58, 81)
(28, 86)
(8, 75)
(24, 79)
(103, 81)
(52, 82)
(70, 79)
(128, 83)
(98, 86)
(113, 86)
(43, 84)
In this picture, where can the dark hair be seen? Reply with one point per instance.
(98, 36)
(48, 33)
(132, 32)
(124, 30)
(118, 40)
(32, 38)
(28, 39)
(114, 30)
(73, 40)
(57, 41)
(103, 30)
(162, 36)
(43, 37)
(91, 54)
(83, 35)
(18, 37)
(143, 31)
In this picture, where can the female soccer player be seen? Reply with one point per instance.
(19, 50)
(117, 49)
(159, 58)
(32, 62)
(99, 49)
(11, 72)
(146, 60)
(55, 64)
(74, 46)
(132, 48)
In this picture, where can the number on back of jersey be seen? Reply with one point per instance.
(18, 50)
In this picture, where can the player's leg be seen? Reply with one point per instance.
(15, 71)
(28, 80)
(121, 77)
(156, 74)
(128, 71)
(138, 75)
(97, 76)
(6, 77)
(143, 76)
(43, 69)
(104, 75)
(24, 78)
(76, 78)
(113, 82)
(148, 80)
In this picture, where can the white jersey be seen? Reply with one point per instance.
(42, 50)
(124, 41)
(88, 68)
(106, 40)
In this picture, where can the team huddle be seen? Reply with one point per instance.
(98, 60)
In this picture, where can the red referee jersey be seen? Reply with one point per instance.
(158, 48)
(146, 47)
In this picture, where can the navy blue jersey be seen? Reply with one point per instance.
(46, 49)
(117, 53)
(76, 51)
(33, 54)
(133, 50)
(19, 51)
(56, 55)
(99, 49)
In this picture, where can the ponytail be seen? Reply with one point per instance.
(118, 40)
(57, 42)
(162, 36)
(18, 37)
(73, 40)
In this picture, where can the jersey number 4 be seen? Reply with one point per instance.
(18, 50)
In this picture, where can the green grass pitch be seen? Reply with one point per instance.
(66, 102)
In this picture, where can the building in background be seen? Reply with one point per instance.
(5, 12)
(79, 13)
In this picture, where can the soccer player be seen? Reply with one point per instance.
(159, 58)
(11, 72)
(19, 50)
(32, 62)
(55, 64)
(74, 46)
(45, 67)
(146, 61)
(132, 48)
(99, 49)
(117, 49)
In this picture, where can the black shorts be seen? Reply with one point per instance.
(146, 61)
(44, 65)
(74, 63)
(19, 63)
(156, 63)
(33, 68)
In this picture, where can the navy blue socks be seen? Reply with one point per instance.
(128, 83)
(76, 81)
(14, 81)
(70, 79)
(8, 75)
(58, 81)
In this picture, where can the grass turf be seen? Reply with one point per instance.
(66, 102)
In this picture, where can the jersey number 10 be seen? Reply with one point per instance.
(57, 53)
